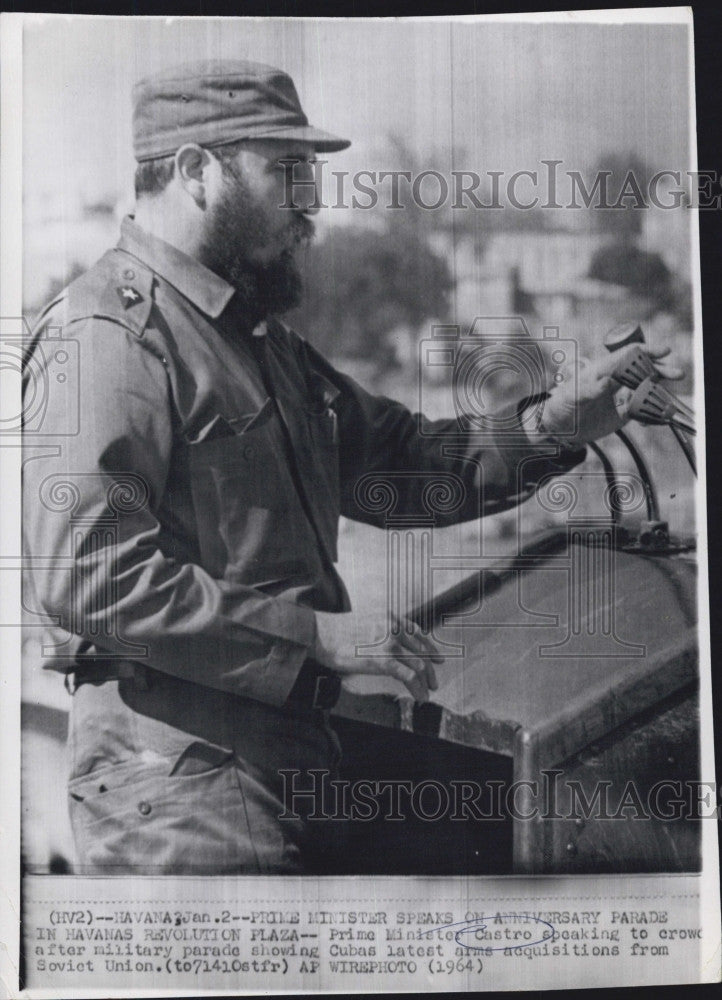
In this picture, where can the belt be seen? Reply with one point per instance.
(315, 686)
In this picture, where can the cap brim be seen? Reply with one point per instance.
(324, 142)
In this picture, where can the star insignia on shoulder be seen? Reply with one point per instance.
(129, 296)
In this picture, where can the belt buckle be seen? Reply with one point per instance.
(326, 691)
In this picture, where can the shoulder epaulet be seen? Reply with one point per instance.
(117, 288)
(46, 310)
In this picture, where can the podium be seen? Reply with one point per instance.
(568, 698)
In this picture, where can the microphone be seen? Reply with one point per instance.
(651, 402)
(622, 336)
(656, 405)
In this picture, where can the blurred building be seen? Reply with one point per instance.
(63, 238)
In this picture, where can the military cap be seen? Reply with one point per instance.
(215, 102)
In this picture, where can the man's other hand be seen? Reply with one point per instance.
(408, 655)
(594, 404)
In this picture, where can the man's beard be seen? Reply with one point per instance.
(237, 228)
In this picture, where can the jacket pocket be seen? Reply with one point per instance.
(197, 813)
(249, 457)
(247, 511)
(108, 783)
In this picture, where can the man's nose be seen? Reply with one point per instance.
(303, 182)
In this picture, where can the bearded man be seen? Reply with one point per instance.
(184, 533)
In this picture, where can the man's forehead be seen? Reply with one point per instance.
(280, 149)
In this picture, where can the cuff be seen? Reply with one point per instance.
(270, 678)
(280, 673)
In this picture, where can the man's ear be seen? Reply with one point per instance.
(193, 166)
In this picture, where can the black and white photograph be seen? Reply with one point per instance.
(357, 480)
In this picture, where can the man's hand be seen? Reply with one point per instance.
(595, 404)
(410, 654)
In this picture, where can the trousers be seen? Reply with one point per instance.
(169, 777)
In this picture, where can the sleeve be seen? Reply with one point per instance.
(91, 532)
(494, 465)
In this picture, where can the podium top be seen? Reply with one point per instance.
(580, 638)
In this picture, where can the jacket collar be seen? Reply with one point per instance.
(205, 289)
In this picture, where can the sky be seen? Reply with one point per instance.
(487, 96)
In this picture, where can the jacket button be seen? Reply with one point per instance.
(144, 808)
(248, 451)
(129, 274)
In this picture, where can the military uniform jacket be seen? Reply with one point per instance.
(185, 513)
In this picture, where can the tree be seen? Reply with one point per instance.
(641, 271)
(363, 283)
(626, 178)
